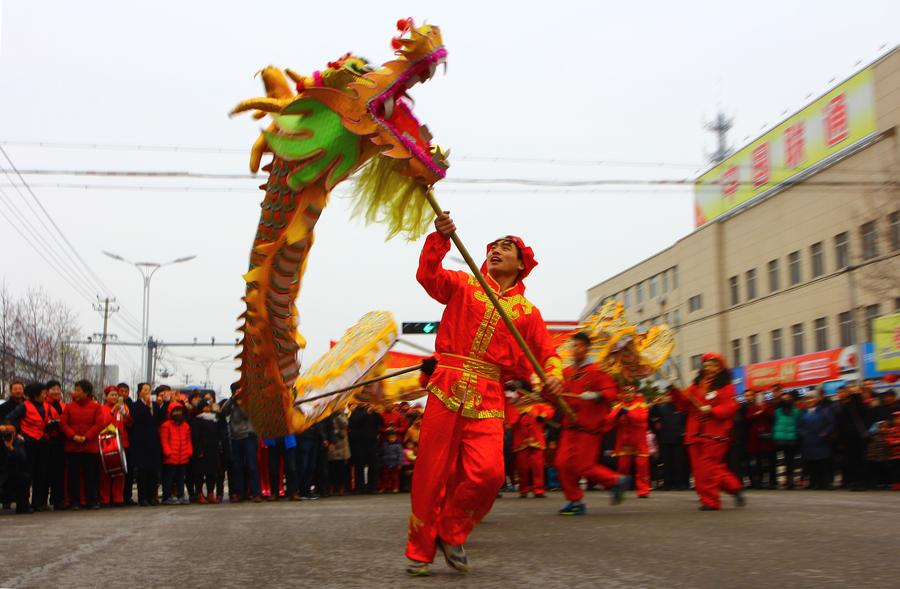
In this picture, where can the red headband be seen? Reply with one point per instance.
(525, 253)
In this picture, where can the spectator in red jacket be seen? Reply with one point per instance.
(30, 418)
(115, 413)
(82, 420)
(175, 439)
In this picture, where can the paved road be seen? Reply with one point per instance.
(781, 540)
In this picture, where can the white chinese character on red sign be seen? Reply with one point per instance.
(794, 145)
(759, 164)
(836, 126)
(730, 181)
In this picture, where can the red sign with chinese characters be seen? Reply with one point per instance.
(805, 370)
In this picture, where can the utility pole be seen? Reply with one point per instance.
(105, 309)
(720, 126)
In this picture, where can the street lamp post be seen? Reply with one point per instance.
(147, 270)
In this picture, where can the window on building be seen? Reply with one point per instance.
(777, 349)
(736, 352)
(894, 230)
(774, 278)
(654, 287)
(640, 292)
(674, 276)
(817, 259)
(869, 240)
(794, 267)
(665, 281)
(821, 325)
(626, 297)
(753, 347)
(797, 339)
(695, 362)
(872, 312)
(676, 317)
(734, 290)
(845, 327)
(695, 303)
(842, 250)
(751, 284)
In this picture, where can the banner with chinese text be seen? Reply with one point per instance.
(805, 370)
(886, 339)
(832, 124)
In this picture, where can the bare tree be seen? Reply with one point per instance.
(36, 332)
(881, 204)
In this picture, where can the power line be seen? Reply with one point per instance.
(537, 182)
(50, 263)
(59, 232)
(344, 192)
(245, 151)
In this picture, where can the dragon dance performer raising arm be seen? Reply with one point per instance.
(459, 467)
(710, 406)
(592, 393)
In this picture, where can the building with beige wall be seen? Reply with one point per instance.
(782, 273)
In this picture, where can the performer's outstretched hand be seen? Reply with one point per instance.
(444, 224)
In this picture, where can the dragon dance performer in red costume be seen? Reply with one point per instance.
(591, 392)
(459, 467)
(710, 405)
(529, 443)
(630, 417)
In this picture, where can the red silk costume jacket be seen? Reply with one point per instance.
(631, 428)
(474, 348)
(718, 423)
(590, 415)
(528, 429)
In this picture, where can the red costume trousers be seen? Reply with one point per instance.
(710, 473)
(577, 458)
(641, 472)
(111, 487)
(459, 469)
(390, 478)
(530, 470)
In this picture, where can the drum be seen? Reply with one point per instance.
(112, 455)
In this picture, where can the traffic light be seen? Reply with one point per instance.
(428, 328)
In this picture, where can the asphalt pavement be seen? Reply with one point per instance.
(781, 540)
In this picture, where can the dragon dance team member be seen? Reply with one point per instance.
(591, 392)
(528, 442)
(630, 416)
(710, 406)
(459, 467)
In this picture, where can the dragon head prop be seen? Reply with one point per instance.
(352, 115)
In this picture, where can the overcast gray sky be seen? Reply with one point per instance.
(629, 83)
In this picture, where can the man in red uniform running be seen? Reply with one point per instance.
(459, 466)
(591, 393)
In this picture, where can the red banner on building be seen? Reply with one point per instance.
(805, 370)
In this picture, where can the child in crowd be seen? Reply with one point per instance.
(175, 440)
(391, 461)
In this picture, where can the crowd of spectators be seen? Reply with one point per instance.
(185, 447)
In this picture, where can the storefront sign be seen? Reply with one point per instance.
(886, 339)
(805, 370)
(833, 124)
